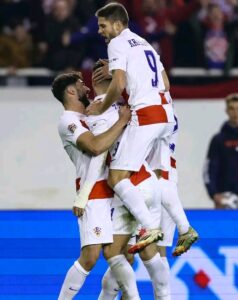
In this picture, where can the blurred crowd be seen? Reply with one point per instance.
(62, 34)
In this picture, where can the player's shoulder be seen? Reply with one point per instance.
(69, 121)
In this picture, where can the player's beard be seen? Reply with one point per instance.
(84, 99)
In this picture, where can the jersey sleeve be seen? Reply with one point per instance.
(117, 55)
(70, 129)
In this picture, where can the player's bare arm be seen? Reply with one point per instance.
(114, 91)
(96, 145)
(166, 80)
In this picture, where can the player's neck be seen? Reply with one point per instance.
(75, 106)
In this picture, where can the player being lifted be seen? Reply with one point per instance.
(135, 65)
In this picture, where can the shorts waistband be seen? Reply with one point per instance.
(152, 114)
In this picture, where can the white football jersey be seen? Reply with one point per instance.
(134, 55)
(100, 123)
(70, 127)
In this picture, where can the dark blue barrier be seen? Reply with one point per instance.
(37, 248)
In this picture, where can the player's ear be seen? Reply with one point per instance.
(70, 90)
(117, 25)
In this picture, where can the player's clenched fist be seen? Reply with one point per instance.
(78, 212)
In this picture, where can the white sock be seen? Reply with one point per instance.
(73, 281)
(158, 269)
(110, 287)
(173, 205)
(125, 276)
(133, 200)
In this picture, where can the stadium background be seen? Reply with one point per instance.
(38, 233)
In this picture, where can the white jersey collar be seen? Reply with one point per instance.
(124, 32)
(75, 113)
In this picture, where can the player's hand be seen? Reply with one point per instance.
(101, 73)
(77, 211)
(218, 198)
(125, 114)
(95, 108)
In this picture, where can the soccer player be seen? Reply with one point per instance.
(136, 66)
(162, 161)
(95, 218)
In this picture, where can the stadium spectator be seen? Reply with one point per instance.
(88, 37)
(72, 41)
(159, 21)
(61, 20)
(221, 168)
(216, 41)
(16, 47)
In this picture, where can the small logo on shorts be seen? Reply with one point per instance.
(72, 127)
(97, 231)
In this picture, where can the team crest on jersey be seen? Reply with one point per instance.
(97, 231)
(72, 127)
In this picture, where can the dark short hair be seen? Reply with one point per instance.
(114, 12)
(98, 64)
(61, 82)
(231, 98)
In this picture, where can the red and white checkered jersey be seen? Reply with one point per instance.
(134, 55)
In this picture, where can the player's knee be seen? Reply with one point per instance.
(130, 258)
(90, 262)
(108, 252)
(162, 251)
(149, 252)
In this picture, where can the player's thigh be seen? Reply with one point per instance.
(123, 221)
(95, 225)
(135, 145)
(117, 247)
(159, 157)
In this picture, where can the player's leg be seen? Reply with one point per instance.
(95, 230)
(134, 147)
(172, 203)
(78, 272)
(110, 287)
(121, 268)
(158, 270)
(160, 161)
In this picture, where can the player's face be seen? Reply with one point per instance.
(83, 92)
(232, 111)
(106, 29)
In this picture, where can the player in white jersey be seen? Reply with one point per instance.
(163, 163)
(95, 221)
(161, 159)
(123, 223)
(135, 65)
(158, 268)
